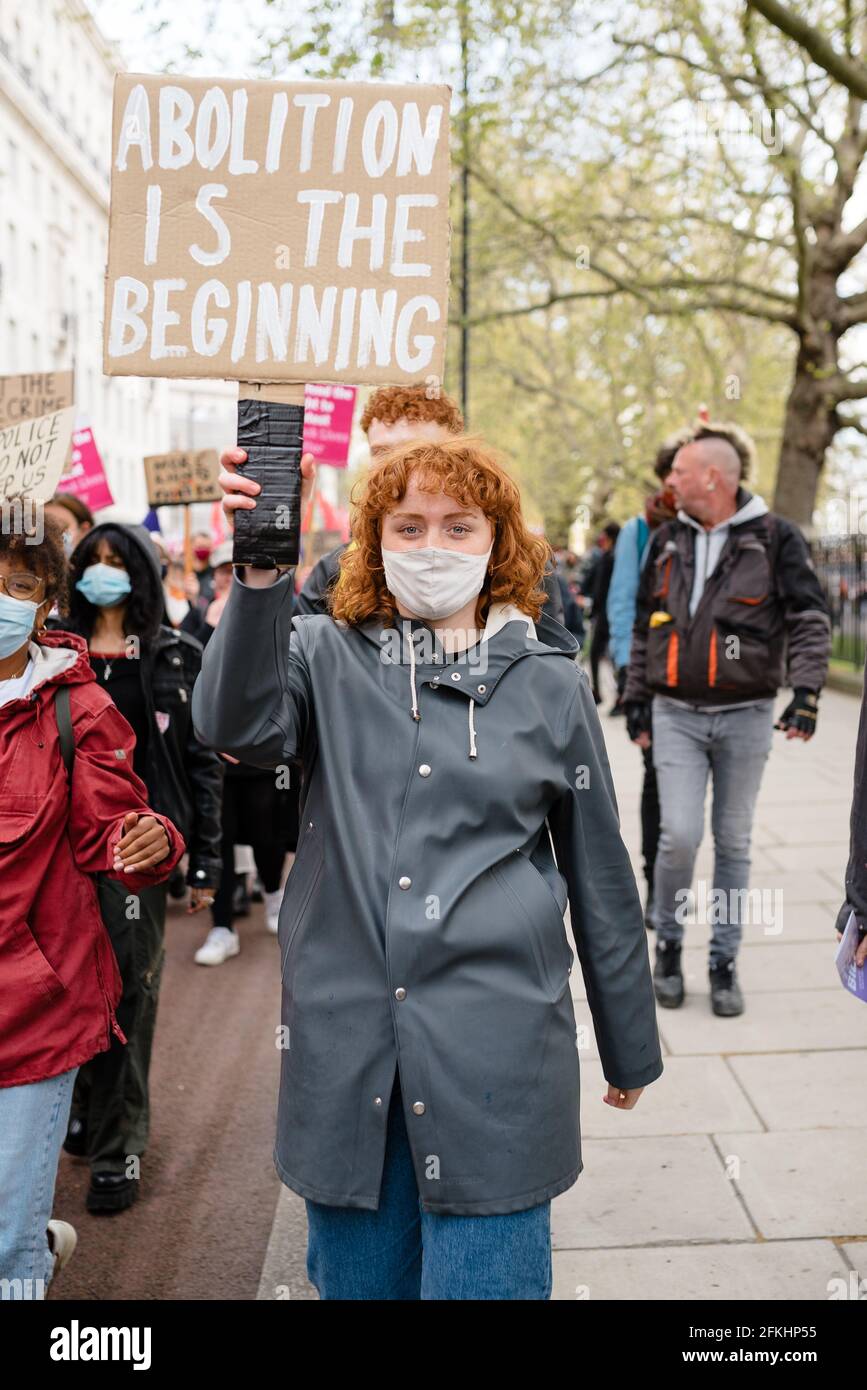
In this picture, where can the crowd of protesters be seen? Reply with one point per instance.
(149, 714)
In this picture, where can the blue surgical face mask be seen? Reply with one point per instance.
(17, 617)
(104, 585)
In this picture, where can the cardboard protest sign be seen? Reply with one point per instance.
(33, 455)
(184, 475)
(328, 412)
(28, 395)
(85, 478)
(278, 231)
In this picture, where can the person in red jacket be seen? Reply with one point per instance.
(59, 981)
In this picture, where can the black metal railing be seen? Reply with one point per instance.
(841, 564)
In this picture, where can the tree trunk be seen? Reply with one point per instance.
(811, 419)
(808, 429)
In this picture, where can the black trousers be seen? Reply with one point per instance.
(598, 648)
(254, 814)
(650, 816)
(111, 1095)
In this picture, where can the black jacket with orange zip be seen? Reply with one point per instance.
(761, 622)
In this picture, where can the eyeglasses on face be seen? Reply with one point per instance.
(23, 585)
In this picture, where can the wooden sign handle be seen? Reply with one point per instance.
(283, 392)
(188, 543)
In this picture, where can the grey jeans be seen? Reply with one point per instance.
(688, 745)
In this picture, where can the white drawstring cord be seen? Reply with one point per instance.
(415, 710)
(415, 713)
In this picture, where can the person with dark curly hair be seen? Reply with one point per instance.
(457, 796)
(148, 669)
(72, 807)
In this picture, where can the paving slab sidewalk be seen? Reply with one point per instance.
(679, 1201)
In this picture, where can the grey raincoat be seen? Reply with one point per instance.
(422, 924)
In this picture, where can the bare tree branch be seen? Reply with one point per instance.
(852, 311)
(850, 424)
(840, 388)
(629, 285)
(664, 310)
(850, 73)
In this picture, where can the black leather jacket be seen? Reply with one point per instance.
(762, 620)
(184, 779)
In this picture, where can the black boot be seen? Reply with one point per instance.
(75, 1142)
(667, 975)
(110, 1192)
(177, 885)
(725, 993)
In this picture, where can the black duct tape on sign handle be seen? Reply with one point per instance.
(272, 434)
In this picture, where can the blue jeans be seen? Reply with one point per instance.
(33, 1122)
(688, 746)
(402, 1252)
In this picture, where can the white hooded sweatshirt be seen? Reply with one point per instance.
(709, 544)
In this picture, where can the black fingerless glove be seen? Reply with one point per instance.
(801, 713)
(637, 718)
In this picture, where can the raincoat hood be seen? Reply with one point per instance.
(59, 658)
(517, 637)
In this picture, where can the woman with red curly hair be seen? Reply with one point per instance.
(429, 1096)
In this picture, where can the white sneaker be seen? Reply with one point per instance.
(272, 909)
(62, 1240)
(221, 943)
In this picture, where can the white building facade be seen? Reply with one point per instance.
(56, 77)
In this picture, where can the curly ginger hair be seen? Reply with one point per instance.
(392, 403)
(468, 470)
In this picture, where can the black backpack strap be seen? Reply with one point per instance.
(64, 728)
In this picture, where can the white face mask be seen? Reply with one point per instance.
(434, 583)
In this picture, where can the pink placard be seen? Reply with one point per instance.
(86, 478)
(328, 412)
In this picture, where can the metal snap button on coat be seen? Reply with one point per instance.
(424, 770)
(482, 689)
(404, 882)
(400, 992)
(418, 1107)
(377, 1100)
(456, 675)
